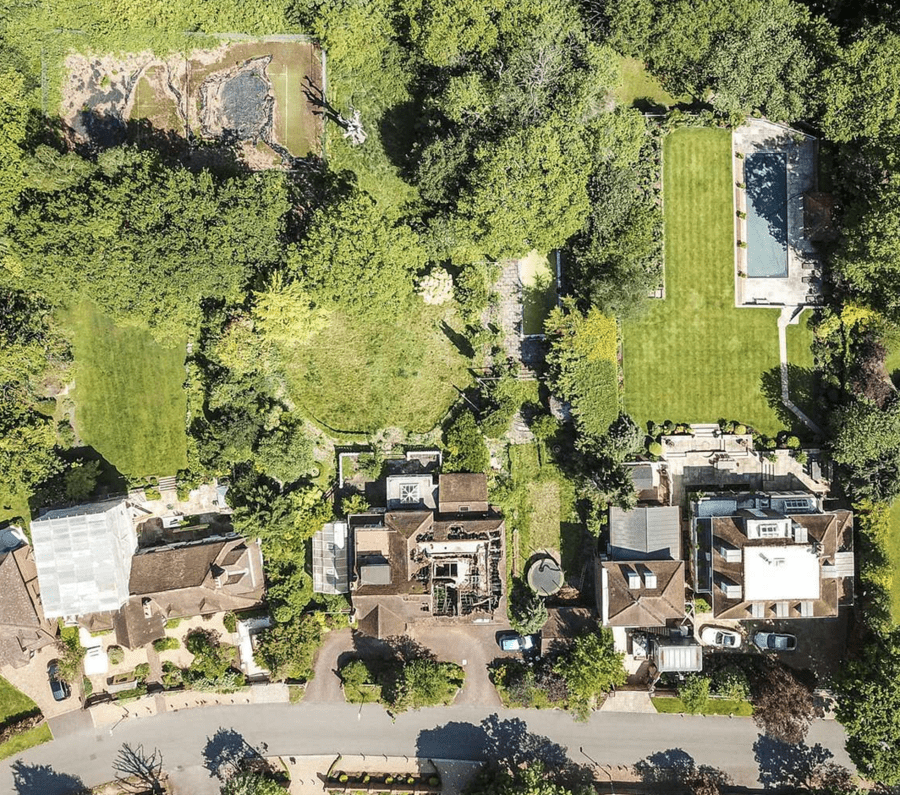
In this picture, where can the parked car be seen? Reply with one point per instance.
(720, 638)
(512, 641)
(58, 687)
(772, 641)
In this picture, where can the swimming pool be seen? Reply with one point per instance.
(765, 175)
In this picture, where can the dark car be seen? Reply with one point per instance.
(58, 686)
(512, 641)
(772, 641)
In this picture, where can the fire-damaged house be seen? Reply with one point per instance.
(434, 554)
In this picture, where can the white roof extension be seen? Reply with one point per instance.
(83, 556)
(774, 573)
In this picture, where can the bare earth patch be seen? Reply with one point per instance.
(248, 93)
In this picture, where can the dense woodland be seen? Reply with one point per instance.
(496, 134)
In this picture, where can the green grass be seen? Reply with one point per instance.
(715, 706)
(25, 740)
(892, 548)
(130, 404)
(541, 505)
(638, 84)
(360, 375)
(694, 357)
(538, 279)
(802, 379)
(13, 702)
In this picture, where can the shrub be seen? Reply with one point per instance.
(343, 778)
(355, 503)
(740, 430)
(694, 693)
(151, 493)
(86, 686)
(434, 781)
(742, 244)
(792, 443)
(741, 214)
(116, 655)
(802, 457)
(142, 671)
(701, 605)
(166, 644)
(71, 653)
(655, 449)
(731, 682)
(172, 676)
(173, 623)
(466, 450)
(131, 695)
(229, 620)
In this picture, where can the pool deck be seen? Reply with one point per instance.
(801, 286)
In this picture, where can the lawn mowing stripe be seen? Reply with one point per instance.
(694, 356)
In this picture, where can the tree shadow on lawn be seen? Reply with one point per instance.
(803, 388)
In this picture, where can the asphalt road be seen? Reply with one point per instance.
(461, 732)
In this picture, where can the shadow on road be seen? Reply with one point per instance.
(225, 753)
(787, 766)
(44, 780)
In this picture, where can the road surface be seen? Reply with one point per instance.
(731, 744)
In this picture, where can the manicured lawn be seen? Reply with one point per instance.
(130, 403)
(359, 375)
(801, 373)
(694, 357)
(25, 740)
(715, 706)
(13, 702)
(638, 83)
(541, 506)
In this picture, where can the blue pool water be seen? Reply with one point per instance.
(765, 174)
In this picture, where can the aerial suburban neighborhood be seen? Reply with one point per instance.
(444, 397)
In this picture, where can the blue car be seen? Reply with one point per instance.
(58, 686)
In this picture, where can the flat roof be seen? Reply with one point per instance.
(772, 573)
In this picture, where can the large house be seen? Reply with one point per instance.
(435, 553)
(92, 571)
(640, 581)
(772, 556)
(214, 575)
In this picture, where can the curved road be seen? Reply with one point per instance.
(450, 733)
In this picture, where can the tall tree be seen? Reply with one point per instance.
(358, 258)
(527, 191)
(151, 241)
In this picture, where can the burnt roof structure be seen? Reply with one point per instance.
(417, 565)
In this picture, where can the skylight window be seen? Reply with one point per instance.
(409, 492)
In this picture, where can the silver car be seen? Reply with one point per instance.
(772, 641)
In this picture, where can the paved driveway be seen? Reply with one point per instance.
(32, 680)
(474, 646)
